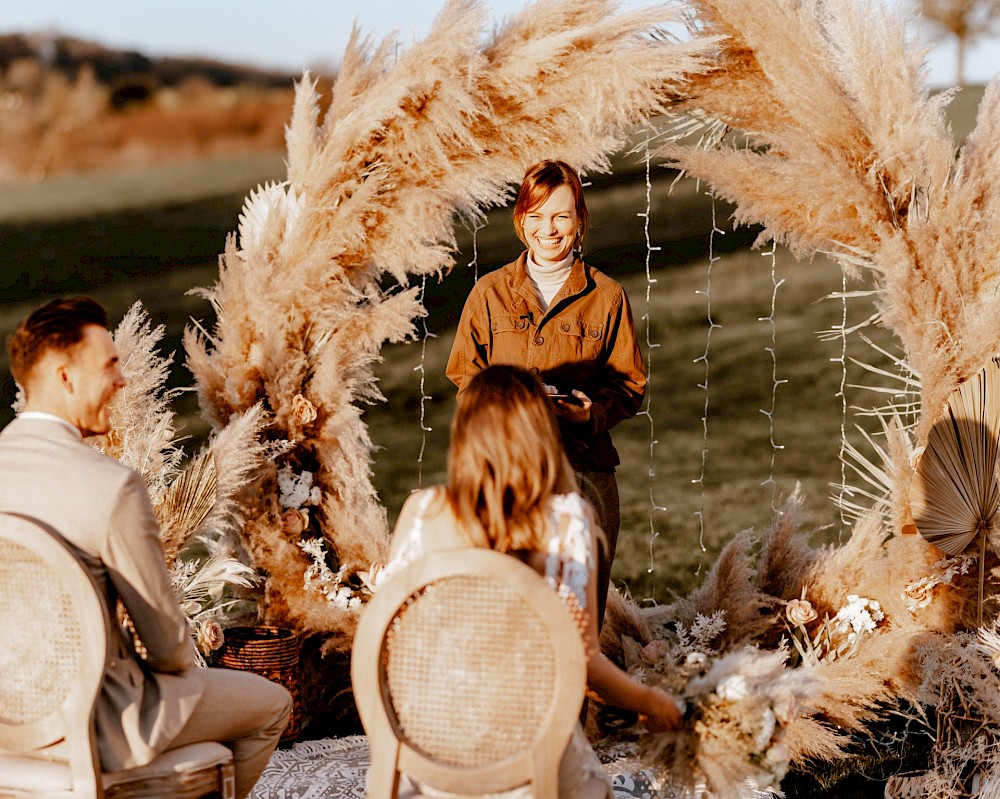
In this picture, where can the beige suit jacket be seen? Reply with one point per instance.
(102, 508)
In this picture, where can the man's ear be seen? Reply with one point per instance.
(64, 375)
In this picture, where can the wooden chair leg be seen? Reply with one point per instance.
(382, 781)
(227, 781)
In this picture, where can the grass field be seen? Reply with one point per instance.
(665, 551)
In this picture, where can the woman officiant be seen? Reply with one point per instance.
(569, 324)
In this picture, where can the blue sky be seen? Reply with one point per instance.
(296, 34)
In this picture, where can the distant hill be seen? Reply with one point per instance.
(111, 66)
(68, 105)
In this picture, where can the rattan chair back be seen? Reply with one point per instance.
(469, 675)
(56, 641)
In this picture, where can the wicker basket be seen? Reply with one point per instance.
(272, 652)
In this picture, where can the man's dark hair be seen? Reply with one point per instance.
(57, 325)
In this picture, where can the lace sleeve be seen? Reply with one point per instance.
(412, 546)
(570, 557)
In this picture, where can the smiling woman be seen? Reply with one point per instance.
(567, 322)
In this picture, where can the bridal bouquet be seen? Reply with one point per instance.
(738, 707)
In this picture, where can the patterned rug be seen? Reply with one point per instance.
(334, 768)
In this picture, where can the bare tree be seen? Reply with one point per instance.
(966, 20)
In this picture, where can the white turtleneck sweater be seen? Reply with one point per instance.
(547, 280)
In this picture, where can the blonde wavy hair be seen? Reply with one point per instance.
(505, 460)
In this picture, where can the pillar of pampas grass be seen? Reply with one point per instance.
(410, 140)
(837, 146)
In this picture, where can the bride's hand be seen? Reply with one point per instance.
(662, 712)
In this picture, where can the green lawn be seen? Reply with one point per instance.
(665, 550)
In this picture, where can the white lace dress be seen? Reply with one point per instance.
(568, 564)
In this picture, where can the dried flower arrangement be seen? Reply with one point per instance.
(317, 279)
(840, 149)
(739, 706)
(829, 627)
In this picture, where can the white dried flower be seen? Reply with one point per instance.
(695, 661)
(768, 724)
(296, 490)
(733, 688)
(860, 615)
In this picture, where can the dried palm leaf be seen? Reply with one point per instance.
(186, 504)
(956, 497)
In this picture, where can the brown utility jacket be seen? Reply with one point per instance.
(585, 341)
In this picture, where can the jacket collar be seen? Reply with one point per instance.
(520, 283)
(50, 429)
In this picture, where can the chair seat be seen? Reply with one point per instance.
(193, 765)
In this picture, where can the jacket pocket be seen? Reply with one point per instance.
(508, 323)
(580, 337)
(508, 339)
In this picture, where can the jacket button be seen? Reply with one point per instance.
(534, 370)
(564, 327)
(594, 334)
(539, 340)
(493, 327)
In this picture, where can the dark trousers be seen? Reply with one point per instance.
(601, 490)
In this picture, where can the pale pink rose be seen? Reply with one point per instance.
(778, 754)
(654, 651)
(918, 594)
(294, 521)
(800, 611)
(210, 636)
(303, 411)
(786, 709)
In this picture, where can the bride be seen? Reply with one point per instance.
(510, 488)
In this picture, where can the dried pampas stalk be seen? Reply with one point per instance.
(196, 501)
(730, 589)
(410, 139)
(238, 455)
(142, 423)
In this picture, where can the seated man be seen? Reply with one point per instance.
(65, 361)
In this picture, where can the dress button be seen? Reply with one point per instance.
(564, 327)
(539, 340)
